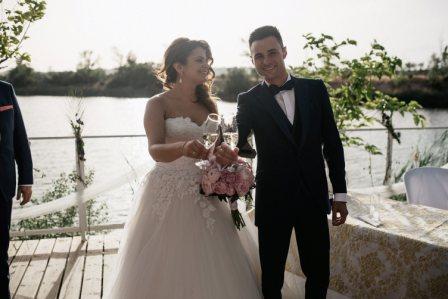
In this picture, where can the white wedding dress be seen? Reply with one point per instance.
(179, 244)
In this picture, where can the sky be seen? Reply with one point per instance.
(410, 29)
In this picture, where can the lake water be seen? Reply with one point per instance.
(48, 116)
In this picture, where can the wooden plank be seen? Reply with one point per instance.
(93, 270)
(13, 249)
(111, 244)
(34, 273)
(67, 230)
(71, 284)
(51, 282)
(20, 264)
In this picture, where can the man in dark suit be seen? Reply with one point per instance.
(294, 128)
(13, 147)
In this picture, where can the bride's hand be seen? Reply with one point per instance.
(194, 149)
(225, 155)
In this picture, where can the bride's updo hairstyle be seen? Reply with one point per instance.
(178, 52)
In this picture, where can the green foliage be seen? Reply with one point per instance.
(131, 79)
(14, 28)
(77, 126)
(233, 82)
(63, 186)
(399, 197)
(438, 68)
(353, 91)
(88, 73)
(22, 76)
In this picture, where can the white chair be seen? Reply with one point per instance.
(427, 186)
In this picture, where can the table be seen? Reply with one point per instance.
(405, 257)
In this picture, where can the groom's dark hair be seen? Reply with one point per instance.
(263, 32)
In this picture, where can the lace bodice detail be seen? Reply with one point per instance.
(179, 179)
(181, 129)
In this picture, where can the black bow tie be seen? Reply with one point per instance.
(275, 89)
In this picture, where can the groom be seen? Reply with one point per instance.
(294, 128)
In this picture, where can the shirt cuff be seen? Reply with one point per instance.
(25, 185)
(342, 197)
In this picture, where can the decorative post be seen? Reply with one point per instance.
(388, 174)
(77, 126)
(80, 186)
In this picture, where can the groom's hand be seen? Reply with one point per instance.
(225, 155)
(339, 213)
(24, 193)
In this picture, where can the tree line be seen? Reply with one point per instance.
(428, 86)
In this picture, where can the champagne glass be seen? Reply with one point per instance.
(230, 130)
(375, 200)
(210, 130)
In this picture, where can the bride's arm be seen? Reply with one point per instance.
(160, 151)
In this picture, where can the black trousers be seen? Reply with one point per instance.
(313, 243)
(5, 223)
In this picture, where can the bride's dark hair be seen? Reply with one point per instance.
(178, 52)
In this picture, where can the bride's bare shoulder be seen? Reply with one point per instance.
(158, 101)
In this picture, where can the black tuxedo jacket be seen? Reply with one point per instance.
(290, 172)
(13, 144)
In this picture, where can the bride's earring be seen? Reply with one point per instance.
(180, 77)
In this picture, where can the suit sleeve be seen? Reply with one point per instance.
(22, 153)
(332, 145)
(244, 124)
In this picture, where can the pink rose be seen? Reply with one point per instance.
(213, 175)
(230, 177)
(207, 188)
(230, 190)
(220, 187)
(242, 188)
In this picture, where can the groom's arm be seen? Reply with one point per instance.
(332, 147)
(22, 153)
(244, 124)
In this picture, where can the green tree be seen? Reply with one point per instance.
(233, 82)
(88, 72)
(438, 68)
(353, 93)
(15, 25)
(21, 76)
(133, 78)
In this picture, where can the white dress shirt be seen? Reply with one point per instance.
(287, 101)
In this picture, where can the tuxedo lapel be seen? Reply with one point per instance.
(269, 103)
(302, 111)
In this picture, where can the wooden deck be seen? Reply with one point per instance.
(68, 268)
(62, 267)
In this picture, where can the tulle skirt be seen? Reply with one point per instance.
(180, 244)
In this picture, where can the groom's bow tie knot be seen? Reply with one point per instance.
(274, 89)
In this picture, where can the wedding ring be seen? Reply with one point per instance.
(193, 153)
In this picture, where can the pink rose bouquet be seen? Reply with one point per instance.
(228, 184)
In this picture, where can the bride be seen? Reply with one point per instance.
(178, 243)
